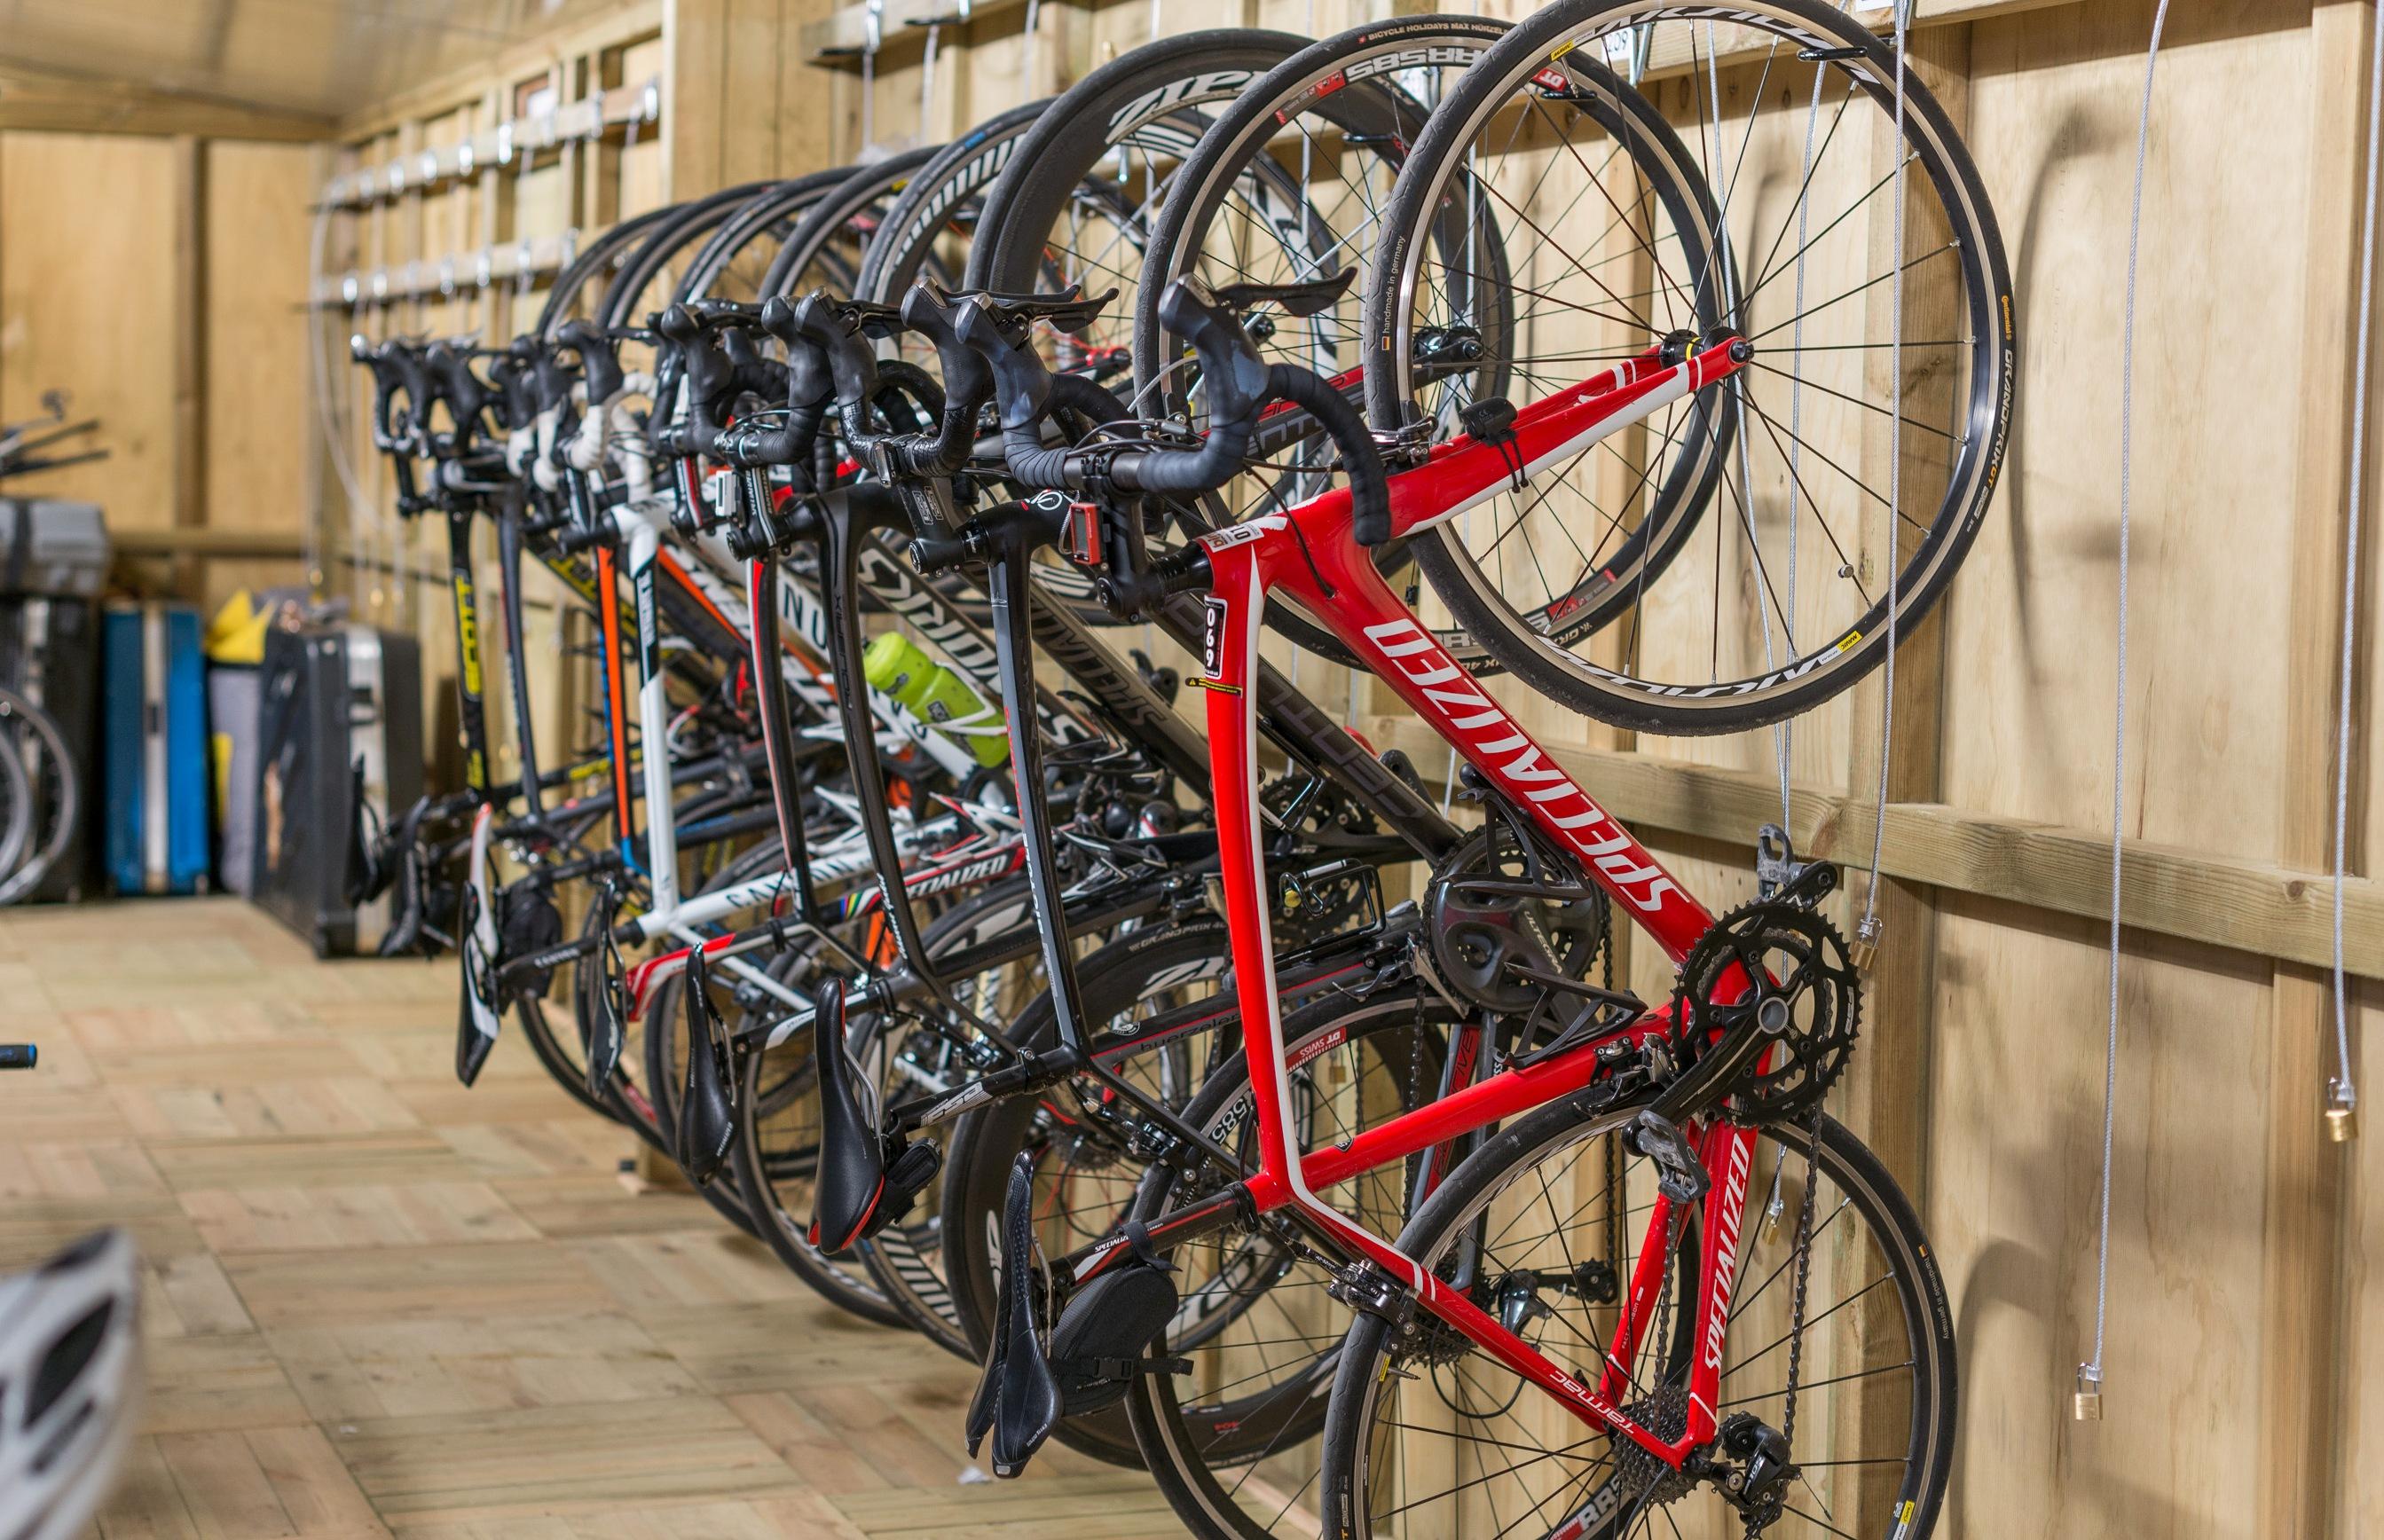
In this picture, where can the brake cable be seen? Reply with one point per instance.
(1867, 932)
(2086, 1405)
(2341, 1090)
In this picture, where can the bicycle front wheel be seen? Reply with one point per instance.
(1429, 1436)
(52, 796)
(1733, 556)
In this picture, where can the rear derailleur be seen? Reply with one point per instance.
(1748, 1464)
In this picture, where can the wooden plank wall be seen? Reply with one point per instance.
(2244, 1318)
(2245, 1322)
(732, 109)
(394, 571)
(165, 308)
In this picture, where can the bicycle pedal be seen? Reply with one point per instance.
(1679, 1176)
(1017, 1401)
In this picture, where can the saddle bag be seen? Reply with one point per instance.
(1104, 1335)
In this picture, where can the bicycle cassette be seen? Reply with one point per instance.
(1793, 955)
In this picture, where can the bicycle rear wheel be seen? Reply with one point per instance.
(16, 809)
(1727, 561)
(1429, 1436)
(52, 796)
(1079, 197)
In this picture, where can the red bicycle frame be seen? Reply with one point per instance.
(1310, 554)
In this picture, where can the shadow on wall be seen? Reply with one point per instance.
(2080, 135)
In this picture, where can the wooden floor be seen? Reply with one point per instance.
(380, 1304)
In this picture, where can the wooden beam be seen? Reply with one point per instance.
(2301, 1417)
(210, 545)
(65, 105)
(190, 344)
(2252, 906)
(592, 116)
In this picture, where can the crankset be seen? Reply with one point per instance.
(1505, 928)
(1799, 980)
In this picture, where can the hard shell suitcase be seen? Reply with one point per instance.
(155, 737)
(339, 755)
(49, 653)
(51, 547)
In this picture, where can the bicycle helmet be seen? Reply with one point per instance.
(70, 1384)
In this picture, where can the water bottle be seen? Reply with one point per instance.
(895, 664)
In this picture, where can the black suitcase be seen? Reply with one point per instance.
(339, 747)
(49, 653)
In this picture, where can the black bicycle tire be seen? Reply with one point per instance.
(1330, 80)
(789, 203)
(1528, 1140)
(665, 240)
(991, 1135)
(894, 1300)
(837, 208)
(46, 846)
(1725, 707)
(16, 832)
(561, 296)
(1130, 93)
(897, 254)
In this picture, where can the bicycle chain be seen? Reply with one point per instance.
(1757, 1522)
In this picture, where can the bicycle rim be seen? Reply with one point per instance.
(1430, 1437)
(1725, 562)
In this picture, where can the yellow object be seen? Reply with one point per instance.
(219, 745)
(895, 664)
(236, 635)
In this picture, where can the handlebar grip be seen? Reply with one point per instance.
(600, 359)
(1370, 492)
(809, 383)
(1231, 370)
(517, 384)
(751, 371)
(711, 379)
(453, 381)
(968, 376)
(850, 361)
(1022, 381)
(396, 372)
(554, 380)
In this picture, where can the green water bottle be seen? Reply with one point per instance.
(895, 664)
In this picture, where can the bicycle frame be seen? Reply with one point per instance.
(1309, 554)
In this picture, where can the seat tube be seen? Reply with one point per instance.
(509, 550)
(1229, 649)
(471, 708)
(1007, 600)
(653, 718)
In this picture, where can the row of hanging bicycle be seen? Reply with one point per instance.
(1656, 357)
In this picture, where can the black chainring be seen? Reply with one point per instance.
(1474, 933)
(1793, 954)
